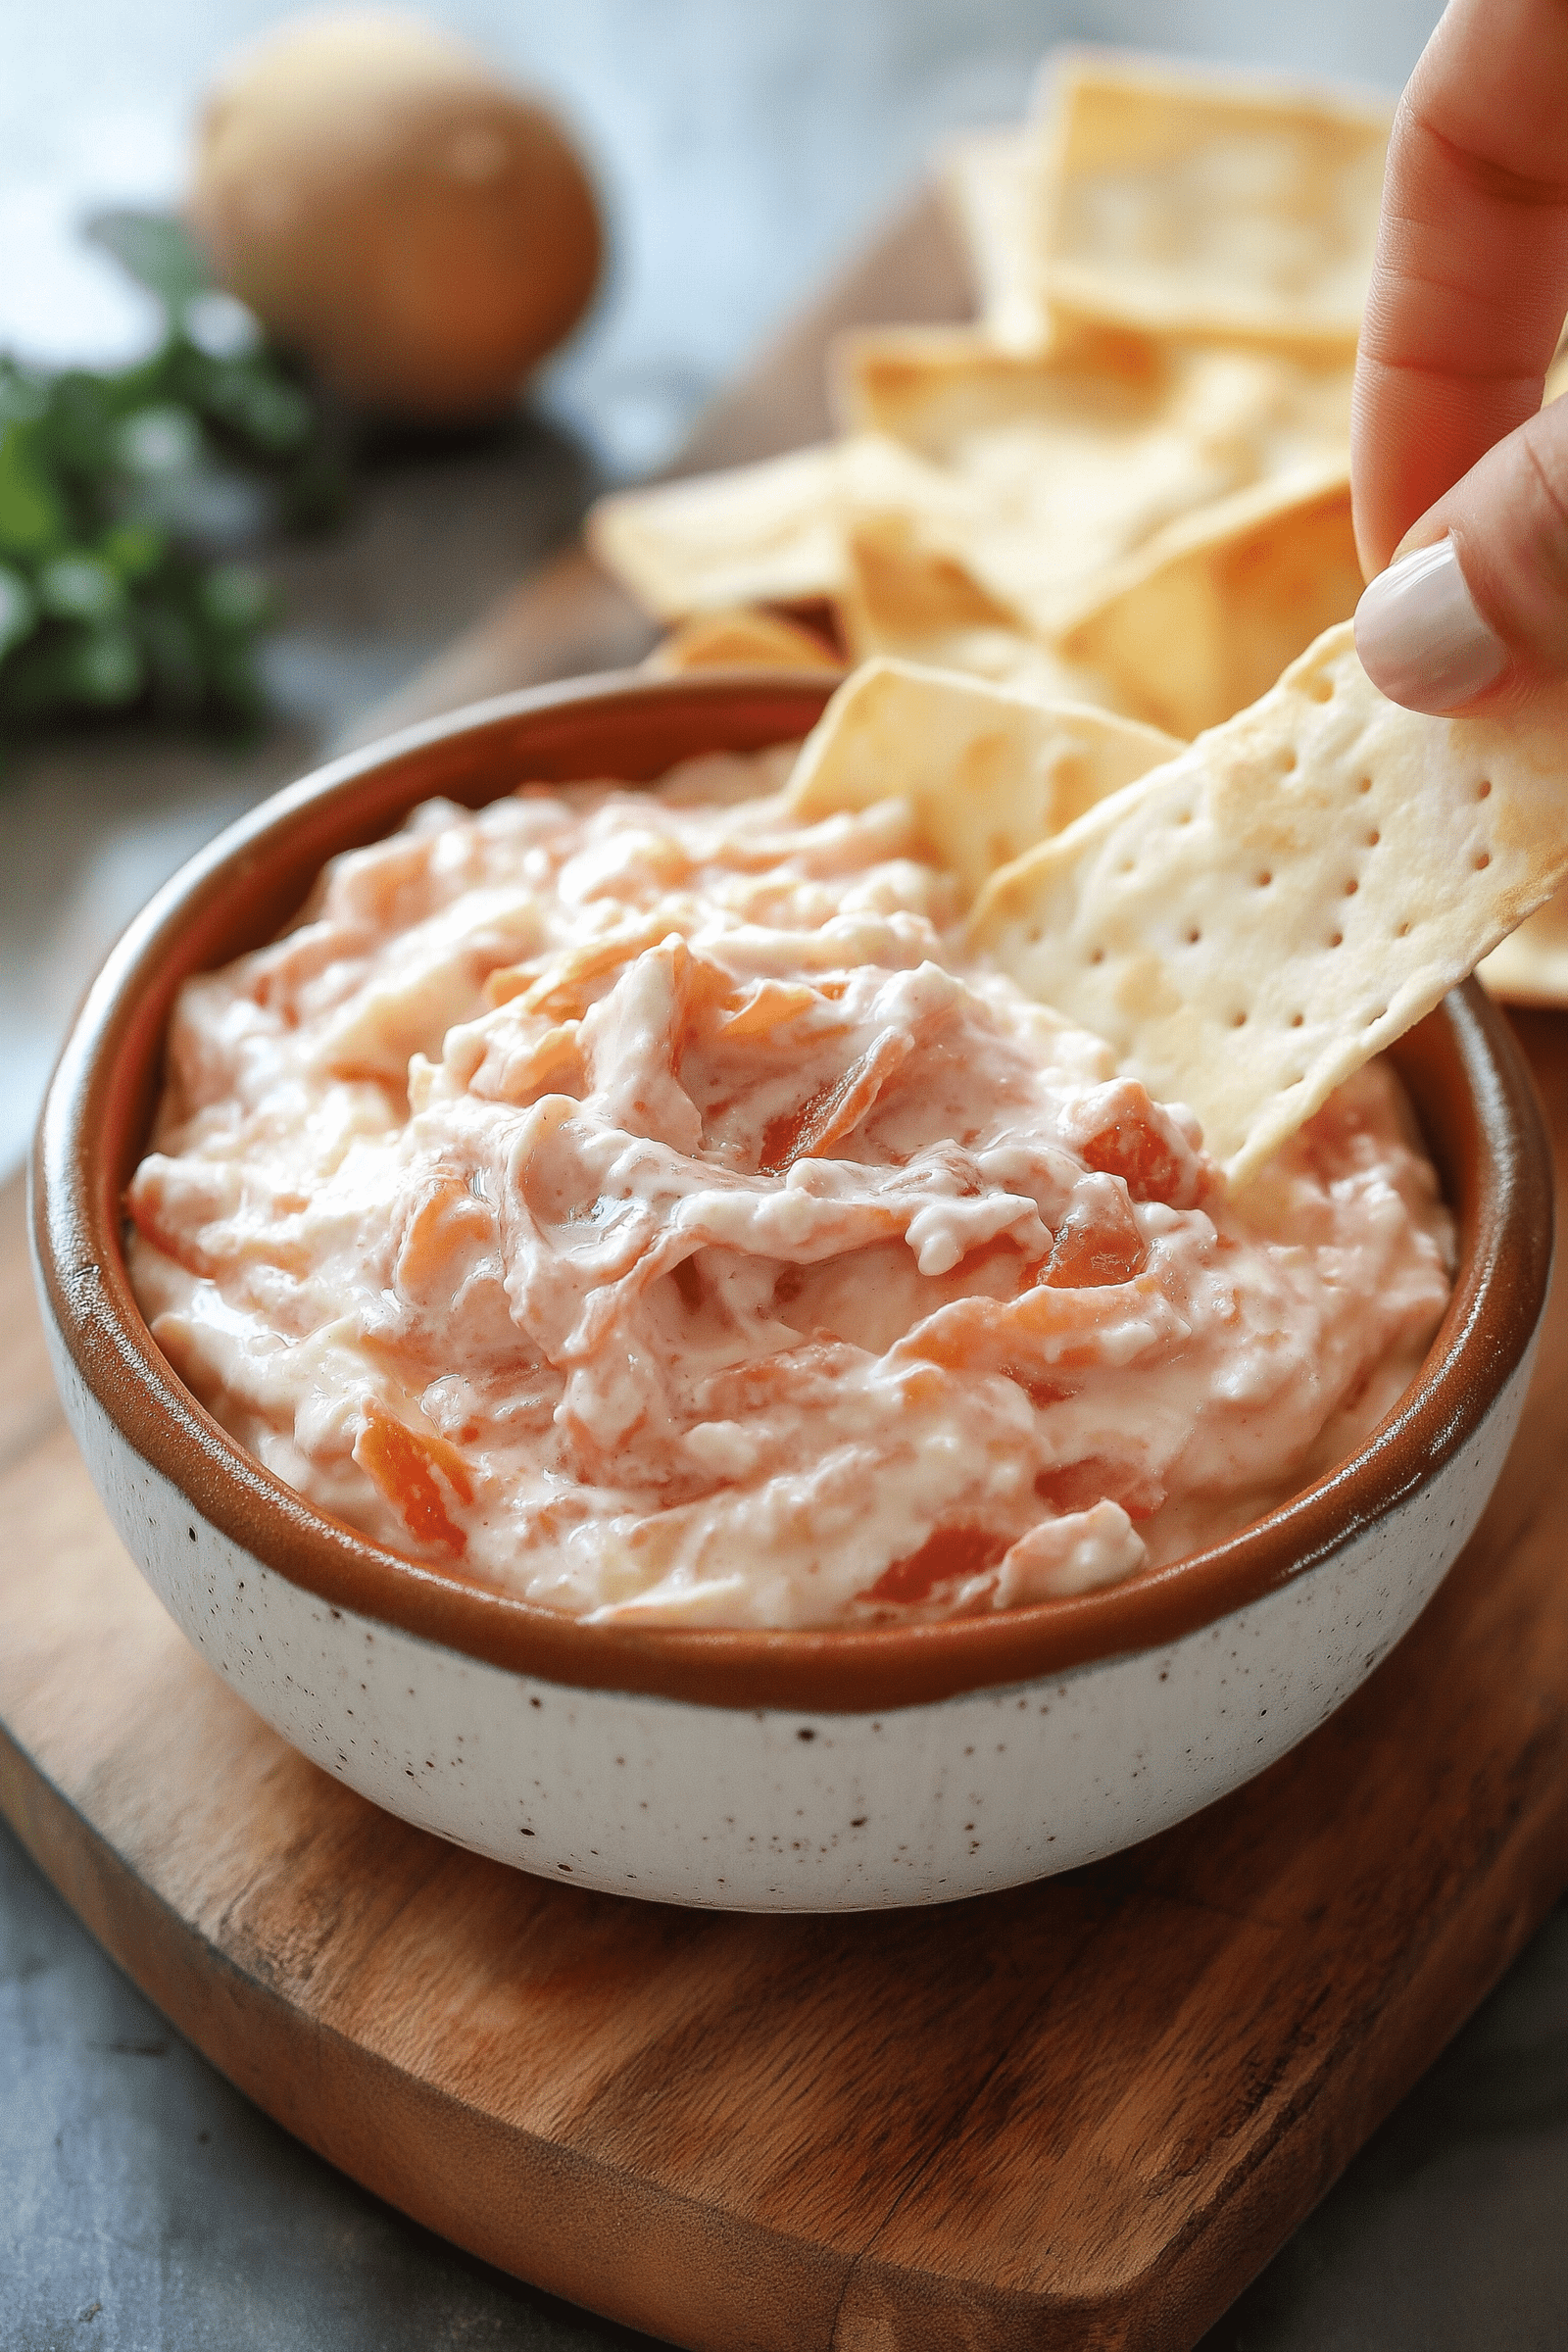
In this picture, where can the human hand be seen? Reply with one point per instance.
(1461, 477)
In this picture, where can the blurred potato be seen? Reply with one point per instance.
(421, 232)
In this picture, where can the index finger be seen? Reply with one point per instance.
(1471, 279)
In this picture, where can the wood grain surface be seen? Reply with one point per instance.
(1082, 2113)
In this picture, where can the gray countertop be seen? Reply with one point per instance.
(742, 143)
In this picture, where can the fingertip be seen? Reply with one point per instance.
(1421, 636)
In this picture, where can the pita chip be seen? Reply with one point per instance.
(985, 771)
(902, 598)
(992, 182)
(1203, 620)
(1064, 466)
(741, 638)
(1182, 203)
(769, 533)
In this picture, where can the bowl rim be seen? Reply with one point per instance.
(1490, 1149)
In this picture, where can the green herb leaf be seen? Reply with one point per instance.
(134, 549)
(111, 483)
(32, 516)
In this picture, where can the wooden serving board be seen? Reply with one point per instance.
(1083, 2113)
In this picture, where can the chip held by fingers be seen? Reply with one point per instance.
(1249, 923)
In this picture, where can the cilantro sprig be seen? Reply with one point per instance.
(124, 492)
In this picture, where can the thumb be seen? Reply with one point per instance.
(1473, 609)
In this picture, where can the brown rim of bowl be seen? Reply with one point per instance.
(1466, 1078)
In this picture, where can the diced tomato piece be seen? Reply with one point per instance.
(1094, 1245)
(836, 1108)
(947, 1554)
(1141, 1145)
(403, 1466)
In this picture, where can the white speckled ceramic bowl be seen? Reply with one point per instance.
(795, 1771)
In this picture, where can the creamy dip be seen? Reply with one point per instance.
(639, 1201)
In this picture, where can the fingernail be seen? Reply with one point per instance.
(1420, 637)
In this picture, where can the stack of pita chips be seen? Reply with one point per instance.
(1127, 484)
